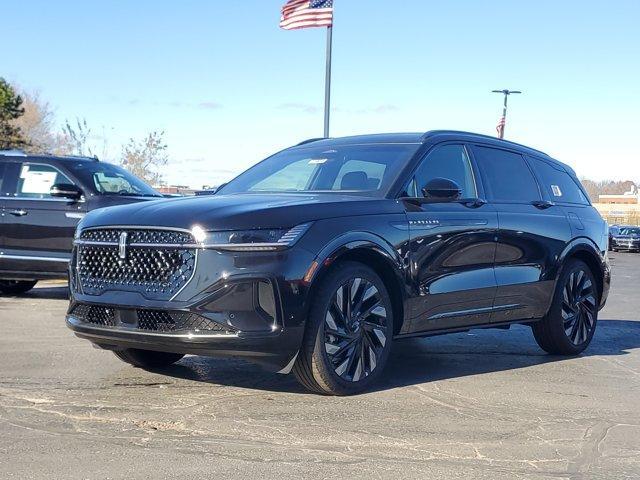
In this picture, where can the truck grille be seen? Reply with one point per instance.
(163, 321)
(156, 263)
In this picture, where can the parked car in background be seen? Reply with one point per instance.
(321, 257)
(627, 237)
(42, 199)
(613, 230)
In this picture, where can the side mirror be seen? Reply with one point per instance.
(65, 190)
(442, 189)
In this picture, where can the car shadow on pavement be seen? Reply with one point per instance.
(423, 360)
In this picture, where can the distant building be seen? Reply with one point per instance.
(620, 209)
(631, 197)
(175, 190)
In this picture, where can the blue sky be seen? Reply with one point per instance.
(229, 87)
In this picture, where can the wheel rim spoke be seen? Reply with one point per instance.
(355, 329)
(579, 307)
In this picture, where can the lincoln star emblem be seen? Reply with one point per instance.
(122, 246)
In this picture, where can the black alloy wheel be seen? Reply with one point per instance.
(570, 324)
(355, 329)
(348, 334)
(579, 308)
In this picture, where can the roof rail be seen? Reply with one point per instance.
(13, 153)
(310, 140)
(489, 137)
(79, 157)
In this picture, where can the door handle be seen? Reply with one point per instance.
(543, 204)
(18, 213)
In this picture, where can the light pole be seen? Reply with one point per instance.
(503, 120)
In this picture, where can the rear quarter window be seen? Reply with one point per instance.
(560, 186)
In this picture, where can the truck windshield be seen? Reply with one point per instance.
(364, 169)
(109, 179)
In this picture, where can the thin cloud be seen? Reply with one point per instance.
(210, 105)
(302, 107)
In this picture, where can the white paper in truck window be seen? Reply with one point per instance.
(36, 182)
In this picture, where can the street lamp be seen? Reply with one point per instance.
(503, 120)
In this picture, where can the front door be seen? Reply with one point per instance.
(452, 247)
(38, 227)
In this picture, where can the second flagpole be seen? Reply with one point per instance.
(327, 85)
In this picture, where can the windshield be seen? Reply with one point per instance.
(347, 168)
(109, 179)
(630, 231)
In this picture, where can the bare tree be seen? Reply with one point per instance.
(78, 137)
(37, 126)
(145, 158)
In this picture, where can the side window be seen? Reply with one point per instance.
(507, 176)
(2, 169)
(448, 161)
(558, 183)
(35, 180)
(371, 174)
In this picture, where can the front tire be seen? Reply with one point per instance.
(571, 321)
(348, 333)
(16, 287)
(147, 358)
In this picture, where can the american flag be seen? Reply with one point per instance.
(500, 126)
(306, 14)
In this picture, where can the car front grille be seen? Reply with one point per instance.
(96, 314)
(149, 320)
(155, 263)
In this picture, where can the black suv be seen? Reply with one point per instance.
(42, 199)
(625, 237)
(321, 257)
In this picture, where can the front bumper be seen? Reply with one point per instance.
(228, 290)
(274, 351)
(626, 245)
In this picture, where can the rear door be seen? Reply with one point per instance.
(39, 228)
(452, 247)
(532, 233)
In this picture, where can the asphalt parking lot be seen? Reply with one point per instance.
(483, 405)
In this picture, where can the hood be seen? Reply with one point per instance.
(240, 211)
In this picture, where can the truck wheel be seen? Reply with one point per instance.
(16, 287)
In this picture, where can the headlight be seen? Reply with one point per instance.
(266, 240)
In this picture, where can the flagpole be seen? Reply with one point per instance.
(327, 83)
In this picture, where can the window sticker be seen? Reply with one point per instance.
(317, 161)
(556, 191)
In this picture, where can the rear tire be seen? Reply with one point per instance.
(348, 333)
(571, 321)
(147, 358)
(16, 287)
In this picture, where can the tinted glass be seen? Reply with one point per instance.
(367, 169)
(507, 176)
(35, 180)
(630, 231)
(558, 183)
(450, 162)
(2, 169)
(108, 179)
